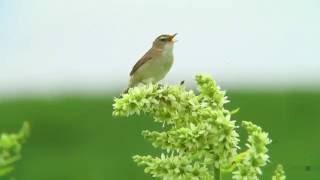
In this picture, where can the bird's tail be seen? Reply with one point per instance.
(132, 83)
(126, 90)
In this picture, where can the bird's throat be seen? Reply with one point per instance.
(167, 49)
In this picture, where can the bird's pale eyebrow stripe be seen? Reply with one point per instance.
(163, 37)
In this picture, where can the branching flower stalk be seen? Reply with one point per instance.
(199, 137)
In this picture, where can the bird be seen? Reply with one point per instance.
(154, 65)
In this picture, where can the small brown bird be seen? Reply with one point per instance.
(155, 64)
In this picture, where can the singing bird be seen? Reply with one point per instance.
(155, 63)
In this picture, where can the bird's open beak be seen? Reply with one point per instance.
(172, 37)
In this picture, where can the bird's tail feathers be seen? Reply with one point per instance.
(126, 90)
(132, 83)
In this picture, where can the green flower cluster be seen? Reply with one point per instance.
(10, 148)
(199, 137)
(279, 173)
(249, 162)
(173, 167)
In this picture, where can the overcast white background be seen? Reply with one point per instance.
(57, 45)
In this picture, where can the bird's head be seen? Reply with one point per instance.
(164, 41)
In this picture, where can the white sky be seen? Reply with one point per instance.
(91, 44)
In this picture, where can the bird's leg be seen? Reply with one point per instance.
(160, 85)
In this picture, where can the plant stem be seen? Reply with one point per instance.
(217, 174)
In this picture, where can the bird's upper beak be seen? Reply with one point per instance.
(172, 37)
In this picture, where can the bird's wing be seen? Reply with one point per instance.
(144, 59)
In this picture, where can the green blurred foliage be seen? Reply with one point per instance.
(77, 138)
(10, 148)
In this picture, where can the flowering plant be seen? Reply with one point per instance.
(10, 148)
(199, 137)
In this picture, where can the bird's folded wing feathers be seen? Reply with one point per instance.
(144, 59)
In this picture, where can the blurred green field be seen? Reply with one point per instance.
(76, 138)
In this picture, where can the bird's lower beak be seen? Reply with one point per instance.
(172, 37)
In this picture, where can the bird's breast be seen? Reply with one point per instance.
(166, 60)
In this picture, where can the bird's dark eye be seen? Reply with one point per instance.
(163, 39)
